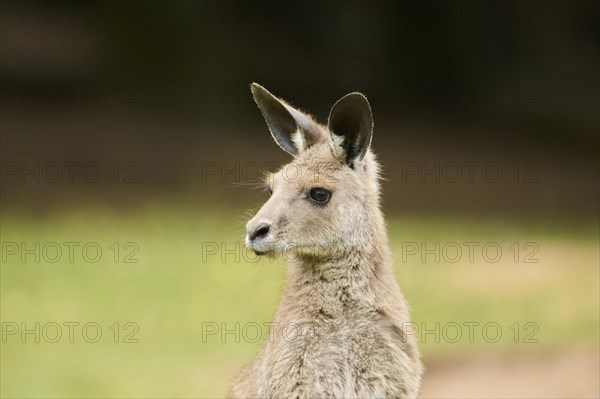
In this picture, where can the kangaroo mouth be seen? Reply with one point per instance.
(258, 249)
(261, 246)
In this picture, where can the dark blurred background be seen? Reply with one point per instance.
(513, 84)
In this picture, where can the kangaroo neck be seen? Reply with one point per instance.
(348, 280)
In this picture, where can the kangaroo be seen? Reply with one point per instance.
(339, 330)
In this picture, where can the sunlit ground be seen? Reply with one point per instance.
(540, 294)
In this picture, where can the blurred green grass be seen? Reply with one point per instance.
(175, 289)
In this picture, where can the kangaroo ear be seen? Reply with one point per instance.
(350, 118)
(292, 130)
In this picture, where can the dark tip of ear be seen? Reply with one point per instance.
(354, 105)
(262, 95)
(356, 98)
(257, 89)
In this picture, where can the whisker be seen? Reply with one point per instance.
(259, 183)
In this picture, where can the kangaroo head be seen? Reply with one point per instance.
(324, 200)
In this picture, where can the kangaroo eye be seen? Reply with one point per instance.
(319, 196)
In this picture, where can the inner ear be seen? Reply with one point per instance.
(291, 129)
(351, 119)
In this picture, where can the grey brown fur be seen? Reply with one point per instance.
(339, 330)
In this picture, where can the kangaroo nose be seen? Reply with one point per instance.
(260, 231)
